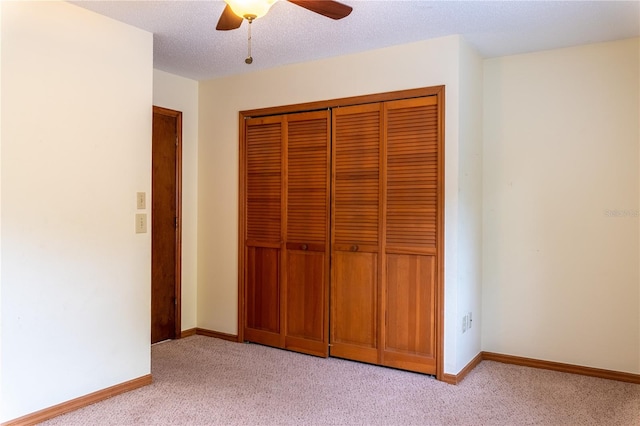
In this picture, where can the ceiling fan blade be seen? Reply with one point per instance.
(329, 8)
(228, 20)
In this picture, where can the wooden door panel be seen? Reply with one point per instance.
(263, 289)
(356, 232)
(356, 174)
(307, 178)
(306, 304)
(409, 332)
(354, 306)
(264, 180)
(412, 173)
(412, 186)
(306, 233)
(263, 235)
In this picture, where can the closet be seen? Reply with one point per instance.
(341, 228)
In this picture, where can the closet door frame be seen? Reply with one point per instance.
(438, 91)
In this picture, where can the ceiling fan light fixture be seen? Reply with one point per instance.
(250, 9)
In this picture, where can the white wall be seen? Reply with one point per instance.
(469, 232)
(561, 189)
(428, 63)
(181, 94)
(76, 147)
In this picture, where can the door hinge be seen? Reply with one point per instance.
(176, 222)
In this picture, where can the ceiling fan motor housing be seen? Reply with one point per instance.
(250, 9)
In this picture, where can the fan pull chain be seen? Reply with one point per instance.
(249, 59)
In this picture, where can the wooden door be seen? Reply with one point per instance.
(356, 243)
(386, 213)
(263, 152)
(306, 259)
(411, 207)
(165, 229)
(287, 231)
(385, 207)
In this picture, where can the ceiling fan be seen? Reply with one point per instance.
(236, 11)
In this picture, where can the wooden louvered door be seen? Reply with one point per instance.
(307, 233)
(356, 232)
(410, 238)
(263, 203)
(287, 231)
(342, 229)
(386, 183)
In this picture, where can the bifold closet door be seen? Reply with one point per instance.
(307, 233)
(263, 244)
(386, 184)
(287, 231)
(342, 214)
(412, 187)
(356, 232)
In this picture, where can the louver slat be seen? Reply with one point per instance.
(264, 182)
(356, 176)
(307, 156)
(412, 179)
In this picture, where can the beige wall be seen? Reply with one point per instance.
(428, 63)
(561, 184)
(76, 147)
(468, 239)
(181, 94)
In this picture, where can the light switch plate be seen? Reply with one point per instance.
(141, 223)
(141, 200)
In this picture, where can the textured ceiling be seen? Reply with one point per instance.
(187, 44)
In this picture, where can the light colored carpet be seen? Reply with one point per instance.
(205, 381)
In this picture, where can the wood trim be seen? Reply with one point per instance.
(381, 279)
(242, 226)
(439, 91)
(341, 102)
(263, 244)
(218, 335)
(282, 266)
(327, 235)
(451, 379)
(77, 403)
(178, 322)
(562, 367)
(454, 379)
(188, 333)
